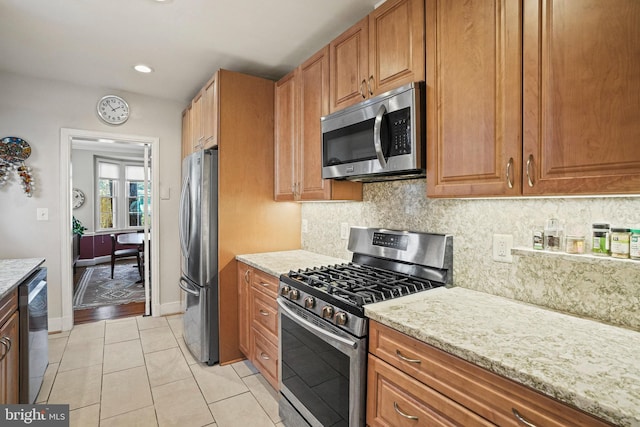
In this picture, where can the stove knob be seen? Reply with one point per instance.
(309, 302)
(294, 294)
(341, 318)
(284, 291)
(327, 312)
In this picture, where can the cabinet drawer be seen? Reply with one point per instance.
(265, 357)
(265, 315)
(395, 399)
(485, 393)
(8, 305)
(265, 283)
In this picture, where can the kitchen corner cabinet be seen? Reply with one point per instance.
(538, 97)
(381, 52)
(258, 319)
(410, 383)
(9, 347)
(301, 99)
(200, 119)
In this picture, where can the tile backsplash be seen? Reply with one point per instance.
(605, 290)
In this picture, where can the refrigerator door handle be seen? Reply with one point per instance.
(184, 217)
(184, 285)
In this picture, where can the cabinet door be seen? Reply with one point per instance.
(581, 96)
(313, 81)
(187, 146)
(197, 128)
(474, 103)
(210, 113)
(396, 45)
(244, 310)
(9, 365)
(349, 62)
(285, 137)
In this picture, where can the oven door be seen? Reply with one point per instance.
(322, 371)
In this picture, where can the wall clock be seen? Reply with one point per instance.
(113, 110)
(78, 198)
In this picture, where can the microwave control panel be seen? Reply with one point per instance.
(399, 132)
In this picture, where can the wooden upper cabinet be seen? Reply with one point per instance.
(581, 96)
(349, 60)
(197, 124)
(473, 97)
(187, 146)
(396, 45)
(285, 137)
(302, 98)
(381, 52)
(210, 113)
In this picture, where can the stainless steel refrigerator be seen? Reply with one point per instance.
(198, 219)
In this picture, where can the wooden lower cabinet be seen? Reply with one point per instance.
(9, 347)
(258, 319)
(431, 384)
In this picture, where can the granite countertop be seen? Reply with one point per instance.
(277, 263)
(587, 364)
(14, 271)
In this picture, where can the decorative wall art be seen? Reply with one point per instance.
(13, 152)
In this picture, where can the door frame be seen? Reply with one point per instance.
(67, 136)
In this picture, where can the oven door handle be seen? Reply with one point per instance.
(318, 329)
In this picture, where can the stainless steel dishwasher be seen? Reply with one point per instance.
(34, 331)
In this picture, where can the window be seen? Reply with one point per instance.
(120, 190)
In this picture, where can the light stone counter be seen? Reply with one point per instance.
(277, 263)
(587, 364)
(14, 271)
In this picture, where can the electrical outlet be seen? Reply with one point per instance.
(305, 226)
(344, 230)
(42, 214)
(502, 244)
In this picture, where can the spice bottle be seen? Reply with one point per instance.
(538, 237)
(620, 238)
(574, 244)
(552, 235)
(634, 243)
(600, 239)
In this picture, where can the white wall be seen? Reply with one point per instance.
(35, 110)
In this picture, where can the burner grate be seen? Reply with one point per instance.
(359, 285)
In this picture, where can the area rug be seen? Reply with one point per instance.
(97, 288)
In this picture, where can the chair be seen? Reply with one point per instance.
(123, 253)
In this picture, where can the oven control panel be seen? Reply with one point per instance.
(393, 241)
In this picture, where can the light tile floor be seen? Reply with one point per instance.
(138, 372)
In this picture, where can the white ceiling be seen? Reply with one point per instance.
(97, 42)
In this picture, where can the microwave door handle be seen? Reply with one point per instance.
(377, 139)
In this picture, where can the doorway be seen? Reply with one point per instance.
(102, 217)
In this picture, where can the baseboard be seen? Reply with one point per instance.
(93, 261)
(170, 308)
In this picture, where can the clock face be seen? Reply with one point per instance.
(113, 110)
(78, 198)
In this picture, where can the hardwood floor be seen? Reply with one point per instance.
(106, 311)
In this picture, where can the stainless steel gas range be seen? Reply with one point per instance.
(322, 327)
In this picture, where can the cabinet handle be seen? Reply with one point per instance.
(264, 313)
(6, 345)
(246, 276)
(264, 356)
(370, 85)
(529, 161)
(406, 359)
(410, 417)
(363, 84)
(509, 165)
(522, 419)
(266, 285)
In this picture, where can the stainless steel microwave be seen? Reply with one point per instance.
(381, 138)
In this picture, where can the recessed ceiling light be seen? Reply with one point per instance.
(163, 1)
(143, 68)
